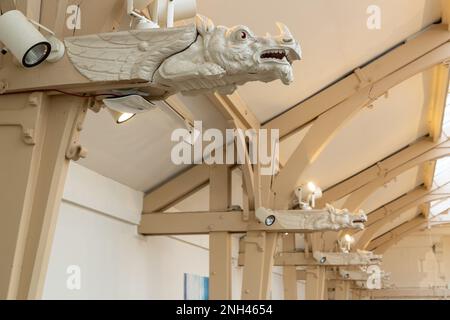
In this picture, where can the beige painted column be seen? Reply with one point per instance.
(219, 242)
(254, 260)
(316, 285)
(289, 272)
(343, 290)
(35, 133)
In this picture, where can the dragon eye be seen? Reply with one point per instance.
(243, 35)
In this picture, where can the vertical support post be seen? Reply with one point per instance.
(259, 250)
(220, 242)
(289, 272)
(35, 133)
(271, 243)
(343, 290)
(252, 282)
(316, 283)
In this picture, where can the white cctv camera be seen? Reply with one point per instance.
(23, 40)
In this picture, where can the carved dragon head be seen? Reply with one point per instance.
(243, 54)
(346, 219)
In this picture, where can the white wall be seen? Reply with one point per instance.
(413, 263)
(97, 231)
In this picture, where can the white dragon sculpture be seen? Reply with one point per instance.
(359, 257)
(191, 59)
(327, 219)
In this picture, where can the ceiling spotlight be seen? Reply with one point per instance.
(270, 220)
(323, 260)
(125, 108)
(120, 117)
(23, 40)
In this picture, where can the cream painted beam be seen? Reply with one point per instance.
(436, 111)
(315, 106)
(329, 123)
(196, 177)
(192, 223)
(299, 259)
(175, 190)
(318, 104)
(234, 108)
(316, 283)
(377, 224)
(358, 197)
(412, 293)
(61, 75)
(289, 272)
(257, 262)
(379, 170)
(39, 134)
(439, 93)
(220, 242)
(385, 241)
(342, 290)
(30, 8)
(240, 117)
(7, 5)
(185, 223)
(445, 4)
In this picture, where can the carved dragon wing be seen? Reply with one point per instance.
(127, 55)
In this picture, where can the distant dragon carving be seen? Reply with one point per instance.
(351, 258)
(328, 219)
(191, 59)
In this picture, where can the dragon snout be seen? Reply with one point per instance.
(360, 219)
(281, 46)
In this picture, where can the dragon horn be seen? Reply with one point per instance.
(285, 32)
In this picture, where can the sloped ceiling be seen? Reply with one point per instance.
(335, 41)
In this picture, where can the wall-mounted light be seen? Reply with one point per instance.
(21, 37)
(23, 40)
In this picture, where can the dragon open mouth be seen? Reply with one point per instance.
(359, 220)
(278, 55)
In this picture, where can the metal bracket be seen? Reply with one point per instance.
(74, 150)
(26, 117)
